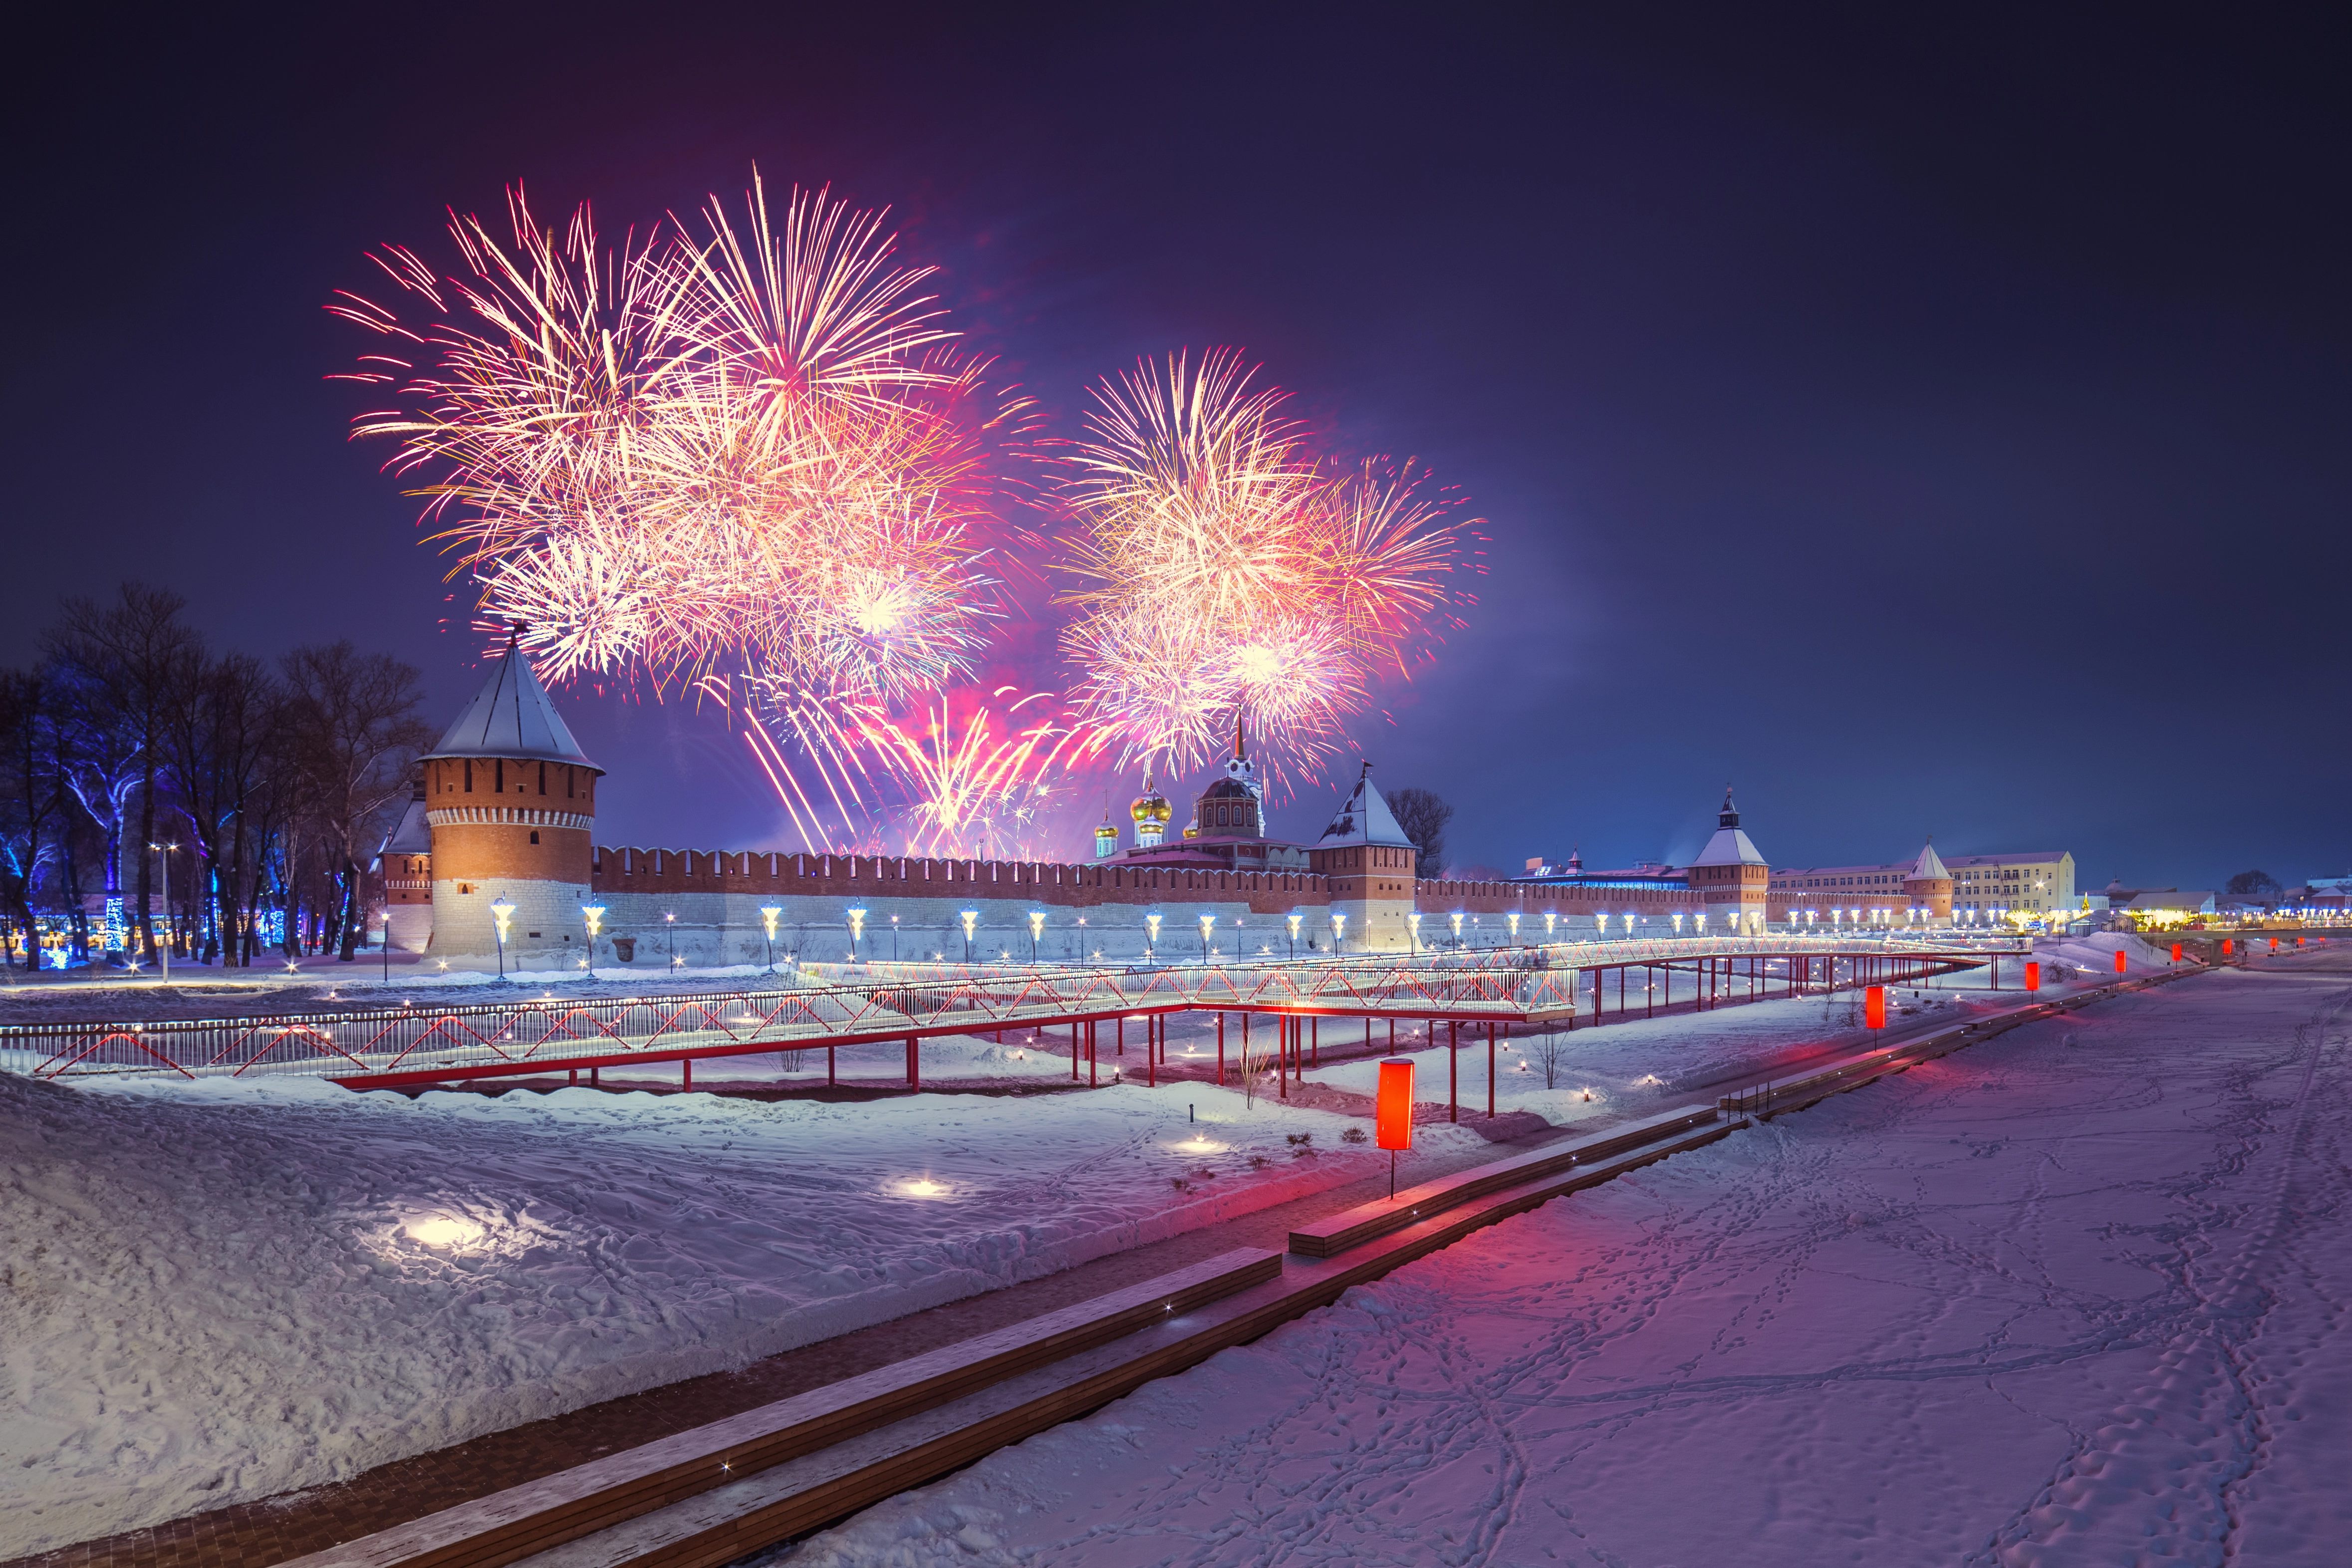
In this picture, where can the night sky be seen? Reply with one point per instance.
(1933, 426)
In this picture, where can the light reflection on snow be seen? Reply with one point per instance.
(443, 1230)
(921, 1187)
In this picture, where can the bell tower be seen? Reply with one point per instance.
(511, 802)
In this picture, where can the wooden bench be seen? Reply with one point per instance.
(1352, 1227)
(508, 1526)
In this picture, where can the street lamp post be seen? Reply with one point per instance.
(768, 913)
(502, 911)
(1151, 937)
(1456, 919)
(856, 931)
(163, 859)
(1036, 930)
(1549, 916)
(894, 939)
(1338, 933)
(1206, 922)
(1294, 934)
(387, 945)
(971, 918)
(1414, 920)
(669, 924)
(1513, 921)
(594, 915)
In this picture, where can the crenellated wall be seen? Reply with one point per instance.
(853, 878)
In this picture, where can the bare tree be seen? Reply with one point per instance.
(220, 742)
(1551, 1055)
(31, 796)
(1423, 814)
(356, 715)
(142, 656)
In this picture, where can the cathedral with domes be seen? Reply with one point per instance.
(1227, 832)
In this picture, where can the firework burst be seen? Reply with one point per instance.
(753, 446)
(742, 455)
(1225, 569)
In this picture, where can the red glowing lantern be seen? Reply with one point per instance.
(2032, 976)
(2273, 944)
(2119, 961)
(1874, 1008)
(1392, 1118)
(2228, 947)
(2175, 949)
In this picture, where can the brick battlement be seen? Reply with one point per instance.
(853, 877)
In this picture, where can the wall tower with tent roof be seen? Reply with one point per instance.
(510, 802)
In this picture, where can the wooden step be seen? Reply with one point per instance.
(508, 1526)
(792, 1498)
(1335, 1233)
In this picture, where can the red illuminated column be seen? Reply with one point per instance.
(1874, 1008)
(2176, 952)
(1392, 1122)
(2119, 961)
(2274, 945)
(2032, 976)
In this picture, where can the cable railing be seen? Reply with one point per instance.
(842, 1004)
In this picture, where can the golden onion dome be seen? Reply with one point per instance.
(1150, 805)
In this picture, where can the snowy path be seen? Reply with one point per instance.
(216, 1290)
(2075, 1296)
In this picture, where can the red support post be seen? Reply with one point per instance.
(1121, 1039)
(1151, 1051)
(828, 1067)
(688, 1064)
(1454, 1070)
(1074, 1053)
(1221, 1049)
(914, 1071)
(1283, 1023)
(1094, 1068)
(1490, 1072)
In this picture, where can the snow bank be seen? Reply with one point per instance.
(216, 1290)
(2074, 1295)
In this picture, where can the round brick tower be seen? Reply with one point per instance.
(511, 803)
(1929, 887)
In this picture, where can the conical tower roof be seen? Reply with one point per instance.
(1729, 846)
(1363, 819)
(512, 717)
(1930, 867)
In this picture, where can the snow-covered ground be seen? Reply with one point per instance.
(2075, 1296)
(218, 1290)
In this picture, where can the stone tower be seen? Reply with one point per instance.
(511, 803)
(1731, 877)
(1368, 868)
(1930, 886)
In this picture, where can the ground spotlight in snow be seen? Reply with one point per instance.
(1197, 1144)
(442, 1230)
(921, 1187)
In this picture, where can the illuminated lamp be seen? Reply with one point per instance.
(2274, 945)
(2032, 976)
(1874, 1008)
(2119, 961)
(1392, 1121)
(2176, 952)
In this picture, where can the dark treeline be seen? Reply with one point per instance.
(275, 782)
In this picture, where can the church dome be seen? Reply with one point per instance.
(1150, 805)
